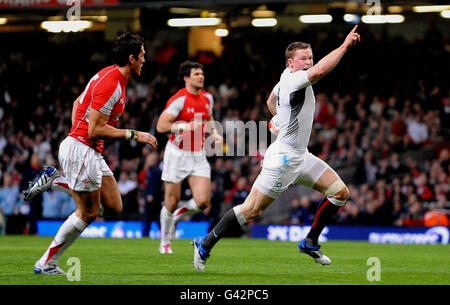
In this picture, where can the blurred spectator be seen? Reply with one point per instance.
(366, 170)
(350, 215)
(152, 193)
(10, 204)
(51, 205)
(422, 188)
(57, 205)
(35, 212)
(417, 129)
(241, 192)
(217, 192)
(300, 211)
(68, 205)
(128, 190)
(385, 170)
(413, 217)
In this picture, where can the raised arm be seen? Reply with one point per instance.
(326, 64)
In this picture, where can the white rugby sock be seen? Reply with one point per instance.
(67, 234)
(61, 184)
(166, 220)
(239, 216)
(190, 207)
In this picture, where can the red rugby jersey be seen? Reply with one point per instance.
(105, 92)
(187, 107)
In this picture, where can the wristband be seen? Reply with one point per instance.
(182, 127)
(131, 134)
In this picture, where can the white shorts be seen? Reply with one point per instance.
(83, 167)
(282, 167)
(179, 164)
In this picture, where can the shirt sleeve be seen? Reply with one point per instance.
(298, 80)
(105, 97)
(211, 102)
(174, 107)
(276, 89)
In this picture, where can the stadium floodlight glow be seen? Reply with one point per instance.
(430, 8)
(185, 22)
(377, 19)
(351, 18)
(395, 9)
(66, 26)
(3, 21)
(221, 32)
(320, 18)
(264, 22)
(263, 14)
(373, 19)
(394, 18)
(96, 18)
(444, 14)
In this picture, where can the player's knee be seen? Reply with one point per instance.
(171, 202)
(203, 203)
(343, 194)
(118, 208)
(89, 216)
(172, 199)
(337, 190)
(253, 213)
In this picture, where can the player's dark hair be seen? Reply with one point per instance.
(186, 67)
(290, 50)
(125, 45)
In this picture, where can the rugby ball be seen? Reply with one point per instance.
(274, 125)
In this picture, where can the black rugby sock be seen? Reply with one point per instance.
(325, 214)
(227, 223)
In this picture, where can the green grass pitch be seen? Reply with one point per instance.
(233, 262)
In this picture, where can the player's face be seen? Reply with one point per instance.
(137, 64)
(196, 79)
(302, 60)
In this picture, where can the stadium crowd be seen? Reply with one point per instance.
(386, 122)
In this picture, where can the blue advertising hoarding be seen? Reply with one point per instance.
(293, 233)
(394, 235)
(126, 229)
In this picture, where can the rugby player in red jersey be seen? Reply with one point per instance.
(188, 114)
(90, 180)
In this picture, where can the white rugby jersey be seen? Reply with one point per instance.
(295, 108)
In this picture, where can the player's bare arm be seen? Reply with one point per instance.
(272, 103)
(211, 128)
(166, 124)
(100, 130)
(74, 108)
(327, 64)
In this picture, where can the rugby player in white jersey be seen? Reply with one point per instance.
(287, 160)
